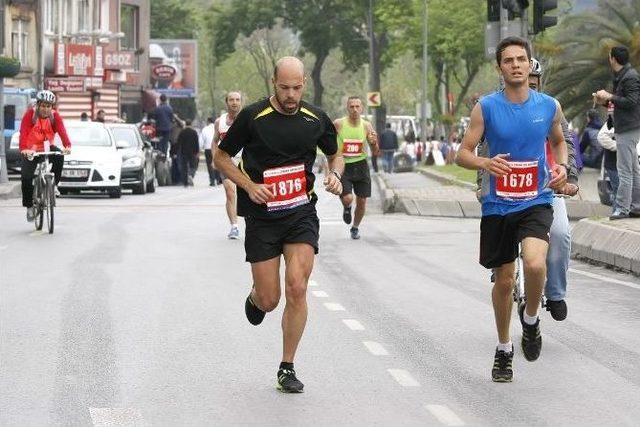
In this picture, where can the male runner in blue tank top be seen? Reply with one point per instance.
(516, 200)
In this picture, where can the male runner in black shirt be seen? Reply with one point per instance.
(279, 137)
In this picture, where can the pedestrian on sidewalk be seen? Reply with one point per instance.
(188, 148)
(388, 145)
(589, 147)
(207, 139)
(626, 119)
(607, 139)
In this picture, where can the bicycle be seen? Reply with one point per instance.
(44, 198)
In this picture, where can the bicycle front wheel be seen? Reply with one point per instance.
(50, 202)
(37, 204)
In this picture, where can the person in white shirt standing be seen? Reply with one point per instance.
(207, 139)
(221, 126)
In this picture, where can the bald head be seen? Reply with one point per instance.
(288, 84)
(288, 67)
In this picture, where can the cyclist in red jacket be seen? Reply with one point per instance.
(38, 128)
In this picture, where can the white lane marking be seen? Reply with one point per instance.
(313, 283)
(111, 417)
(375, 348)
(403, 378)
(320, 294)
(445, 415)
(332, 306)
(353, 324)
(37, 233)
(605, 278)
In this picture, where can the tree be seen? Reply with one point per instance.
(578, 53)
(266, 46)
(320, 24)
(172, 19)
(456, 45)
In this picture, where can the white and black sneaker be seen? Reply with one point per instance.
(288, 382)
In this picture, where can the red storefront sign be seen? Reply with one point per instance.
(119, 60)
(78, 60)
(64, 85)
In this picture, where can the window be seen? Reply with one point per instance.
(19, 41)
(51, 15)
(83, 22)
(129, 26)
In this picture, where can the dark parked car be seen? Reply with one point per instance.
(138, 163)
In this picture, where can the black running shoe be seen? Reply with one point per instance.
(346, 215)
(531, 341)
(355, 233)
(254, 314)
(558, 309)
(288, 383)
(502, 371)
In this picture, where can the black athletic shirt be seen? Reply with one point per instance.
(270, 139)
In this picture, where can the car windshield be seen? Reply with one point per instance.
(125, 134)
(89, 136)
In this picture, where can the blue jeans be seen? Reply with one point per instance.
(628, 195)
(387, 160)
(614, 180)
(559, 251)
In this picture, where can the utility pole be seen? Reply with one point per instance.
(425, 64)
(3, 157)
(374, 81)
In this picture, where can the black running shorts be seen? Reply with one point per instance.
(356, 178)
(265, 238)
(500, 235)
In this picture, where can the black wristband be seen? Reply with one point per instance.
(337, 174)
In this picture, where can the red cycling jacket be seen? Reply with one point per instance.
(34, 131)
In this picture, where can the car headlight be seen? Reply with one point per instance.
(15, 141)
(132, 162)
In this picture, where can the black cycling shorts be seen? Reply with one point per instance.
(356, 178)
(500, 235)
(265, 238)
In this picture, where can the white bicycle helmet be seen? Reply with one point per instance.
(536, 68)
(46, 96)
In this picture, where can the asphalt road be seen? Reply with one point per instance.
(132, 314)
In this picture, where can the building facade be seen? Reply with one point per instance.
(19, 38)
(92, 52)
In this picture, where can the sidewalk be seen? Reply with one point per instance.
(10, 190)
(428, 192)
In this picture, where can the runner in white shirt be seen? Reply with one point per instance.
(206, 137)
(221, 126)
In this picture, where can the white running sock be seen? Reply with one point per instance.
(508, 347)
(529, 320)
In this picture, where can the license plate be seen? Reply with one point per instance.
(75, 173)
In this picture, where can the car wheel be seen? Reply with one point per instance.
(116, 193)
(151, 186)
(142, 187)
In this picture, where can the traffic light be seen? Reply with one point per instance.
(540, 21)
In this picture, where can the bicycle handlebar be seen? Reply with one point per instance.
(44, 153)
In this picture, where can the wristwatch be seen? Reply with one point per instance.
(337, 174)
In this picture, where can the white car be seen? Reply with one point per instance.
(94, 163)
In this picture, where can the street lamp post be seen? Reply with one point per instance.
(425, 64)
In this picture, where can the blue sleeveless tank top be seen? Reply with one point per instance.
(521, 130)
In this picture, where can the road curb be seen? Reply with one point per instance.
(10, 190)
(387, 195)
(445, 179)
(596, 240)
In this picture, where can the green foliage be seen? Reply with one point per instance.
(455, 42)
(173, 19)
(578, 62)
(9, 66)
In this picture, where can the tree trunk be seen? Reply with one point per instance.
(316, 77)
